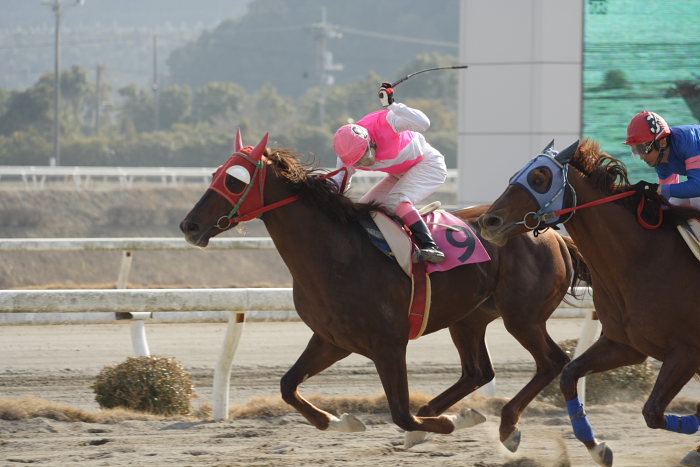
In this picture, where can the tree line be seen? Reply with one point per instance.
(185, 126)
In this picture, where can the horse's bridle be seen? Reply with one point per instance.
(551, 201)
(246, 208)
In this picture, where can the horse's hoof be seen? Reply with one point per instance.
(414, 437)
(347, 423)
(512, 442)
(602, 455)
(467, 418)
(692, 459)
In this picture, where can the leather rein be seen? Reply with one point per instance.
(225, 221)
(542, 216)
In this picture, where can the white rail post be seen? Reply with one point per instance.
(222, 373)
(138, 326)
(589, 334)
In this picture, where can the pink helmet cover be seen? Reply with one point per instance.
(350, 143)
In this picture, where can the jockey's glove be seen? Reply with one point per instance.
(386, 94)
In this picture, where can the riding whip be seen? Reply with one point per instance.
(455, 67)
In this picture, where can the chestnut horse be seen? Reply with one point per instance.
(645, 281)
(356, 299)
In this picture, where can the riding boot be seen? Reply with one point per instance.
(428, 248)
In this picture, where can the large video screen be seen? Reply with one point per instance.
(639, 55)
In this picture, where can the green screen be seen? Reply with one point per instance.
(639, 55)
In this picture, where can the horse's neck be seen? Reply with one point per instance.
(607, 235)
(307, 240)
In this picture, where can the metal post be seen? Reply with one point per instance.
(590, 331)
(56, 159)
(222, 373)
(156, 90)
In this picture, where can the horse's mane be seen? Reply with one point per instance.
(609, 175)
(305, 181)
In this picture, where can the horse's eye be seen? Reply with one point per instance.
(237, 178)
(540, 179)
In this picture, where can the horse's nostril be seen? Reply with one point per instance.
(188, 227)
(492, 221)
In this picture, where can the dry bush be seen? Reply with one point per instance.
(623, 384)
(33, 407)
(152, 384)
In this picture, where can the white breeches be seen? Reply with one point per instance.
(413, 186)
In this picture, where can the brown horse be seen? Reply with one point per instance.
(645, 281)
(356, 299)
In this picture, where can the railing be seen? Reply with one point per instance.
(139, 304)
(84, 176)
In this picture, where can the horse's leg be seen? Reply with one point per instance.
(677, 369)
(603, 355)
(675, 372)
(318, 355)
(477, 370)
(391, 366)
(549, 360)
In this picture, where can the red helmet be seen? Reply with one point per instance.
(646, 127)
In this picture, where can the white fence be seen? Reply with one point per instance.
(141, 303)
(85, 176)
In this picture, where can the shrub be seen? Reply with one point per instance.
(621, 384)
(152, 384)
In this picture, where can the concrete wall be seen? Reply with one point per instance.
(522, 88)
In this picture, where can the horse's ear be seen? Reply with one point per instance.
(548, 147)
(259, 150)
(565, 155)
(239, 141)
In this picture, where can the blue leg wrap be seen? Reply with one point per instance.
(687, 425)
(579, 421)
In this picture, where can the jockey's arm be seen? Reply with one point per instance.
(402, 117)
(687, 189)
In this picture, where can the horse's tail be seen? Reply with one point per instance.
(582, 275)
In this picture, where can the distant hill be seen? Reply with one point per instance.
(278, 42)
(115, 33)
(250, 42)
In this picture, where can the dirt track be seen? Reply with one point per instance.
(59, 362)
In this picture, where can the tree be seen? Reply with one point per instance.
(175, 106)
(28, 109)
(216, 100)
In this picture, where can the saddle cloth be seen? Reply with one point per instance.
(453, 236)
(690, 231)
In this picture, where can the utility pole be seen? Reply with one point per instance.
(56, 159)
(56, 6)
(323, 32)
(98, 98)
(156, 90)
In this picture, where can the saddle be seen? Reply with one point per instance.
(690, 231)
(454, 237)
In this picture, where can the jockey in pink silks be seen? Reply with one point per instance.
(390, 141)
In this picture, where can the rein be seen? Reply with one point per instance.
(231, 217)
(598, 202)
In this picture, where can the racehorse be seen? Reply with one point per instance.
(355, 298)
(644, 280)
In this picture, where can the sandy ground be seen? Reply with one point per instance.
(59, 362)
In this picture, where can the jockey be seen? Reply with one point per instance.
(390, 141)
(671, 152)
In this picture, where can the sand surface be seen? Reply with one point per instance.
(59, 362)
